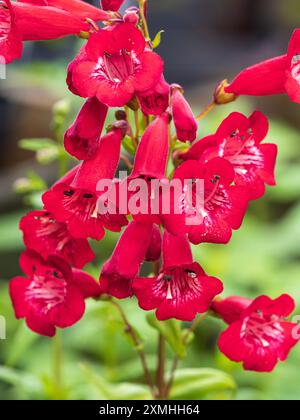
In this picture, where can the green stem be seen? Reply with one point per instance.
(57, 362)
(185, 340)
(138, 346)
(160, 373)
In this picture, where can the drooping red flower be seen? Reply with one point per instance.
(155, 101)
(154, 250)
(76, 203)
(81, 56)
(123, 266)
(51, 295)
(184, 120)
(182, 289)
(238, 140)
(45, 235)
(82, 138)
(275, 76)
(116, 66)
(27, 22)
(79, 8)
(113, 5)
(258, 334)
(213, 209)
(230, 309)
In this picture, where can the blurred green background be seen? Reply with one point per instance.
(263, 256)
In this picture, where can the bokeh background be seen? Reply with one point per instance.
(205, 41)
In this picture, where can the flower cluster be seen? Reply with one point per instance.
(117, 67)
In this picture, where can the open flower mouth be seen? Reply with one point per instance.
(177, 282)
(263, 330)
(295, 68)
(46, 292)
(116, 67)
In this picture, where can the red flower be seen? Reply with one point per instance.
(27, 22)
(155, 101)
(184, 120)
(257, 334)
(45, 235)
(222, 207)
(10, 37)
(113, 5)
(79, 8)
(238, 140)
(82, 138)
(154, 250)
(116, 66)
(119, 271)
(182, 289)
(51, 295)
(274, 76)
(75, 203)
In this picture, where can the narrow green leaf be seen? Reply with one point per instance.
(157, 40)
(37, 144)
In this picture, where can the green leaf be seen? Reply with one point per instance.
(171, 331)
(34, 145)
(128, 145)
(28, 383)
(157, 40)
(32, 183)
(197, 384)
(48, 155)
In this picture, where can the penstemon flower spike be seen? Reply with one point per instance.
(117, 67)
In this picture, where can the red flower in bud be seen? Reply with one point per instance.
(124, 265)
(27, 22)
(257, 334)
(45, 235)
(132, 15)
(52, 295)
(182, 289)
(156, 100)
(79, 8)
(75, 203)
(221, 206)
(184, 120)
(82, 138)
(113, 5)
(154, 250)
(117, 66)
(275, 76)
(238, 140)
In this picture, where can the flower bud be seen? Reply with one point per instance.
(132, 15)
(221, 97)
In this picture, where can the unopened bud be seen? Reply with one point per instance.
(120, 115)
(221, 97)
(132, 15)
(121, 124)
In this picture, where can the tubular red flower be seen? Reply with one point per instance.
(238, 140)
(117, 66)
(79, 8)
(52, 295)
(76, 203)
(184, 120)
(45, 235)
(154, 250)
(82, 138)
(152, 153)
(222, 206)
(156, 100)
(274, 76)
(113, 5)
(119, 271)
(182, 289)
(230, 309)
(45, 23)
(259, 336)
